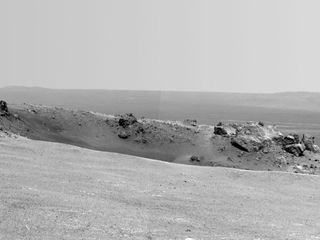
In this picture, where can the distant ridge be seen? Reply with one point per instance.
(206, 107)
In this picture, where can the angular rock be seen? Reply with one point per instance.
(295, 149)
(288, 140)
(291, 139)
(247, 143)
(316, 148)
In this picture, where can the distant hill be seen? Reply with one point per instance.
(296, 107)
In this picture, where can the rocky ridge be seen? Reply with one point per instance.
(250, 145)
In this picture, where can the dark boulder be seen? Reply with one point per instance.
(127, 120)
(291, 139)
(295, 149)
(4, 111)
(195, 159)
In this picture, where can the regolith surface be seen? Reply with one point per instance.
(57, 191)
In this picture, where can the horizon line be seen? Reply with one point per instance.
(155, 90)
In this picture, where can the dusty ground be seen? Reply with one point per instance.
(56, 191)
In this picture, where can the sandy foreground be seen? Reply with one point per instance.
(57, 191)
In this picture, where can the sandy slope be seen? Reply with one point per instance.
(56, 191)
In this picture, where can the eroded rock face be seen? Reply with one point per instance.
(3, 108)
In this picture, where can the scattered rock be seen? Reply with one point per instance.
(281, 160)
(141, 139)
(302, 169)
(33, 111)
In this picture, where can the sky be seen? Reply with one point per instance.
(184, 45)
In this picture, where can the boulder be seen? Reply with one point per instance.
(123, 134)
(248, 143)
(127, 120)
(291, 139)
(295, 149)
(253, 137)
(308, 141)
(316, 148)
(224, 130)
(195, 159)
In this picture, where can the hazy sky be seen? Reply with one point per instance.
(203, 45)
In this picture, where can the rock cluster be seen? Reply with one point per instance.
(248, 137)
(129, 126)
(295, 145)
(127, 120)
(254, 137)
